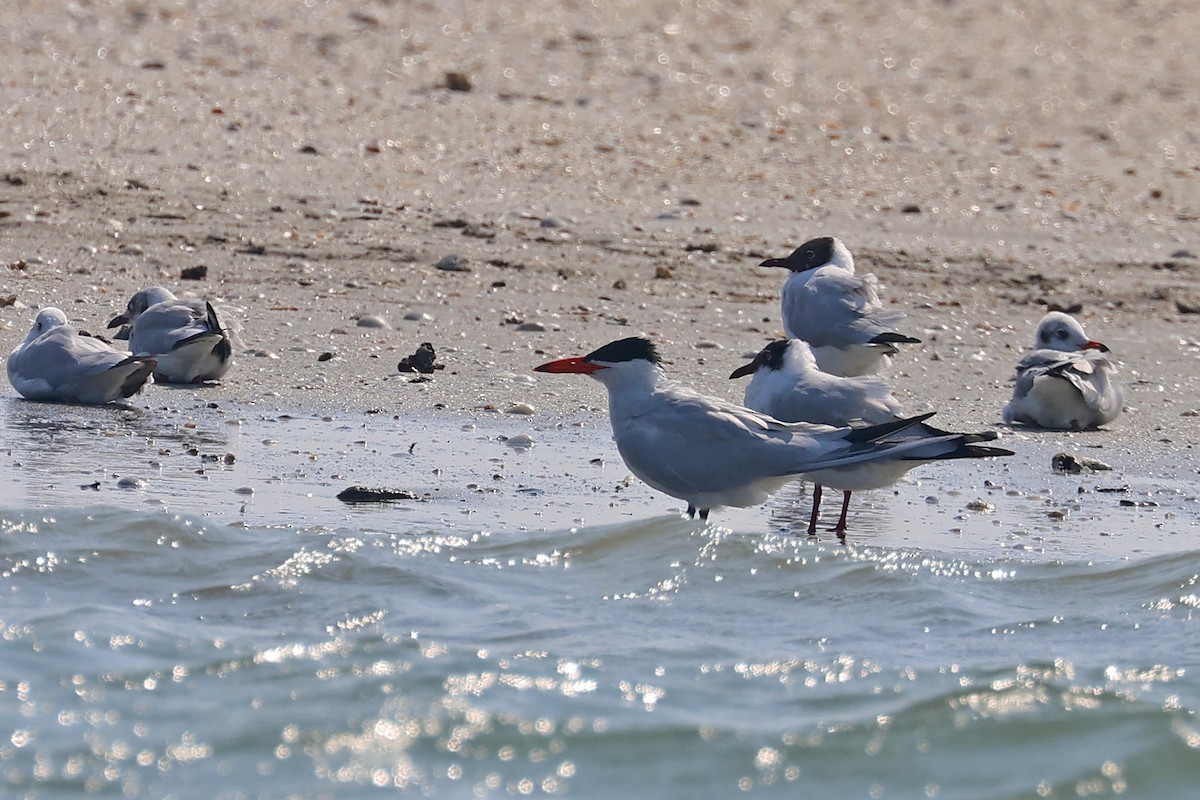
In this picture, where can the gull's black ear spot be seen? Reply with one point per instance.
(631, 349)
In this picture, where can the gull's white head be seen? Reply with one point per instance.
(140, 302)
(46, 319)
(1062, 332)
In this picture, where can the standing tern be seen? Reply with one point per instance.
(184, 335)
(1067, 382)
(711, 453)
(58, 363)
(786, 383)
(837, 312)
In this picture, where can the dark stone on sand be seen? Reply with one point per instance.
(196, 273)
(1066, 462)
(1184, 307)
(454, 263)
(421, 361)
(373, 494)
(458, 82)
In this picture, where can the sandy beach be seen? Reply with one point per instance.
(592, 171)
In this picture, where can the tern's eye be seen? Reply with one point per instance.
(1060, 333)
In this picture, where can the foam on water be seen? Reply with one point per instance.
(536, 624)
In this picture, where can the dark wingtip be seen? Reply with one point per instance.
(873, 432)
(223, 349)
(969, 438)
(988, 452)
(214, 324)
(894, 338)
(137, 379)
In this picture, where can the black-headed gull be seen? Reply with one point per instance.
(711, 453)
(184, 335)
(1067, 382)
(837, 312)
(786, 383)
(57, 363)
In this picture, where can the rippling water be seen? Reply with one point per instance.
(176, 622)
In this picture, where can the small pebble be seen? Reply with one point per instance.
(520, 408)
(531, 327)
(520, 442)
(981, 505)
(244, 490)
(454, 263)
(131, 483)
(457, 81)
(371, 321)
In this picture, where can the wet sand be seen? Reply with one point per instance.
(608, 171)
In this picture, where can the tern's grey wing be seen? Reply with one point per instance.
(686, 444)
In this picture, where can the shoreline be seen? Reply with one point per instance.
(321, 184)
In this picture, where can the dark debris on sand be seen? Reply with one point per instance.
(422, 361)
(374, 494)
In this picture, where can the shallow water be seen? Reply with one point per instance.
(179, 623)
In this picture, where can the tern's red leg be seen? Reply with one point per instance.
(812, 521)
(840, 528)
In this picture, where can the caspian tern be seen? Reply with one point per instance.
(711, 453)
(58, 363)
(837, 312)
(1067, 382)
(184, 335)
(786, 383)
